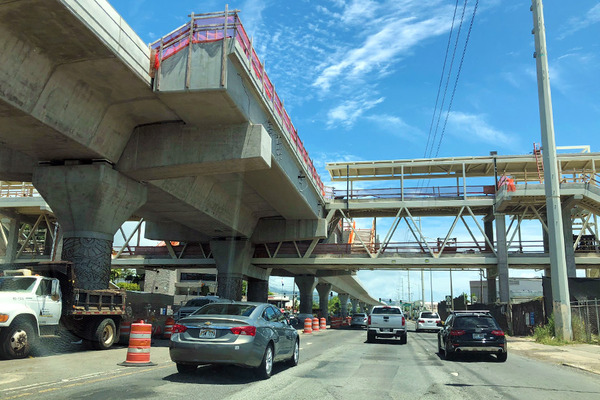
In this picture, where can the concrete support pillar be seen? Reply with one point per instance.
(232, 258)
(488, 228)
(492, 296)
(90, 202)
(502, 254)
(344, 303)
(12, 246)
(324, 289)
(354, 304)
(364, 307)
(306, 286)
(567, 207)
(546, 241)
(258, 290)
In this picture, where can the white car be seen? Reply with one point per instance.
(427, 321)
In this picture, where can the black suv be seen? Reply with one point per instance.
(471, 332)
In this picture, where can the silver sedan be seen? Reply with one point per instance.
(246, 334)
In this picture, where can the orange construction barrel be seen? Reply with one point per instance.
(315, 324)
(323, 324)
(308, 325)
(138, 353)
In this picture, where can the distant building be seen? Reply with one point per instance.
(520, 290)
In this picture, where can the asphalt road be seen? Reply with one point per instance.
(336, 364)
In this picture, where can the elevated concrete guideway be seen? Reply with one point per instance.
(201, 148)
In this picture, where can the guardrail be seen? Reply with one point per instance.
(211, 27)
(17, 189)
(415, 193)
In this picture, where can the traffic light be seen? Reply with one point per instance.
(380, 299)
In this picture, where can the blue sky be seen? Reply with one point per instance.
(359, 79)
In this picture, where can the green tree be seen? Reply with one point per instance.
(334, 306)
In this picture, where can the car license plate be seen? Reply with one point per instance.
(478, 336)
(208, 333)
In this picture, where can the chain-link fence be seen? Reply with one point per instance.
(586, 318)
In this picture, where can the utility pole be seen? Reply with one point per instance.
(431, 287)
(558, 264)
(422, 288)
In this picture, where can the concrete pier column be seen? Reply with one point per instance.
(364, 307)
(354, 303)
(12, 244)
(258, 290)
(90, 202)
(306, 286)
(502, 254)
(488, 228)
(567, 207)
(232, 258)
(324, 289)
(492, 296)
(546, 241)
(344, 303)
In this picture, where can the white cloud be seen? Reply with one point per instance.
(576, 24)
(388, 37)
(349, 111)
(475, 128)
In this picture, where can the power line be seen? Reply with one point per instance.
(457, 77)
(448, 77)
(441, 80)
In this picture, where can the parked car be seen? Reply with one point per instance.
(194, 304)
(359, 319)
(472, 332)
(245, 334)
(427, 321)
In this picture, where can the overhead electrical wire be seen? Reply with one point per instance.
(441, 80)
(457, 77)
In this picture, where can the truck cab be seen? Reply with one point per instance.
(31, 306)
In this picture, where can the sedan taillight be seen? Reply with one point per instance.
(457, 332)
(178, 328)
(244, 330)
(498, 333)
(421, 321)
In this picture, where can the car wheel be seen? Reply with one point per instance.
(104, 335)
(501, 357)
(266, 366)
(293, 361)
(186, 368)
(370, 337)
(404, 339)
(17, 340)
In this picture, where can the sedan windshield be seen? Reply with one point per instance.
(226, 309)
(11, 284)
(429, 315)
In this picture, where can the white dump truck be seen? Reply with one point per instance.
(35, 301)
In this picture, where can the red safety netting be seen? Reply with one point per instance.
(211, 27)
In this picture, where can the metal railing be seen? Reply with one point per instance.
(415, 193)
(204, 28)
(17, 189)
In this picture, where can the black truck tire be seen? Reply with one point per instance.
(17, 340)
(104, 334)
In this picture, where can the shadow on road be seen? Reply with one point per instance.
(221, 375)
